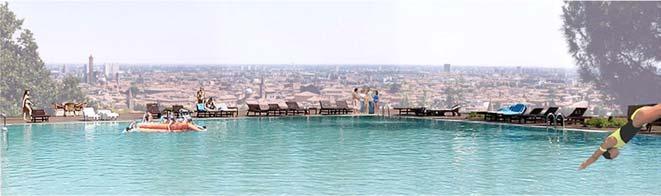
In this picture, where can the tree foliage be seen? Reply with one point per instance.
(21, 68)
(617, 46)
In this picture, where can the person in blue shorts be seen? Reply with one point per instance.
(376, 101)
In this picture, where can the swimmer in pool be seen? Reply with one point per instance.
(610, 148)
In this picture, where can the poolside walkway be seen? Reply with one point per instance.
(656, 130)
(53, 119)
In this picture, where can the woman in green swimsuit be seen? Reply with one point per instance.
(609, 149)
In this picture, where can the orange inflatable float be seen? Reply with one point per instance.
(176, 127)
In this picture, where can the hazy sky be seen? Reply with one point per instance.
(517, 33)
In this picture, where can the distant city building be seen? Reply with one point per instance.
(90, 70)
(110, 71)
(64, 69)
(480, 89)
(446, 68)
(117, 79)
(261, 87)
(129, 99)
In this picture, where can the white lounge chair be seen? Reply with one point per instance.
(107, 115)
(59, 112)
(226, 110)
(88, 113)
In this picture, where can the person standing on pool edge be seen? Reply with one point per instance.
(27, 105)
(355, 98)
(609, 149)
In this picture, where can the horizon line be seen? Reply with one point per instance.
(312, 64)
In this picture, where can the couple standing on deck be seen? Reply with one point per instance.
(209, 103)
(365, 101)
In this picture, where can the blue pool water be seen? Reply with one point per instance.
(321, 155)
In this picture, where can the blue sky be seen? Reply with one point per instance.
(510, 33)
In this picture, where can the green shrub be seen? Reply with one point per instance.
(474, 116)
(605, 123)
(618, 122)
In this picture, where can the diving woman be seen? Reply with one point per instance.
(610, 148)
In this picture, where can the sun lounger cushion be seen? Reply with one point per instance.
(224, 107)
(107, 115)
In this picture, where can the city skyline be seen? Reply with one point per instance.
(479, 33)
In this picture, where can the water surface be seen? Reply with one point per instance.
(320, 155)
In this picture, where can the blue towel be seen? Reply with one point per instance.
(520, 108)
(513, 110)
(200, 107)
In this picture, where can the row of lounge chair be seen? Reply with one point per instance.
(340, 107)
(88, 113)
(71, 109)
(274, 109)
(222, 111)
(292, 108)
(201, 112)
(517, 113)
(39, 115)
(575, 117)
(423, 111)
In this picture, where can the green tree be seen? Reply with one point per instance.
(617, 46)
(22, 68)
(69, 90)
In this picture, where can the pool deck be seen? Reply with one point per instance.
(134, 116)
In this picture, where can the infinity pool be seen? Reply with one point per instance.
(320, 155)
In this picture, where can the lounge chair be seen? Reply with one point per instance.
(293, 107)
(225, 110)
(69, 108)
(179, 110)
(59, 109)
(154, 110)
(408, 111)
(107, 115)
(577, 116)
(441, 112)
(256, 109)
(327, 107)
(539, 117)
(512, 112)
(533, 113)
(89, 113)
(39, 114)
(505, 113)
(342, 107)
(275, 109)
(201, 111)
(78, 108)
